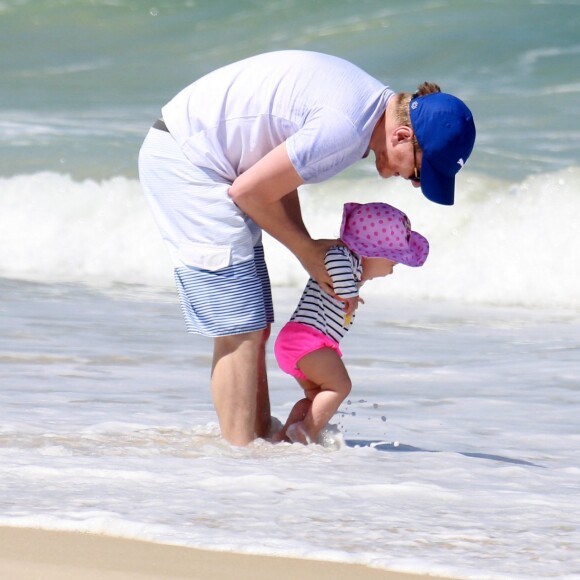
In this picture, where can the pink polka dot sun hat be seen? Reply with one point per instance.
(378, 230)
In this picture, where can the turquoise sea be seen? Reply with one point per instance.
(457, 453)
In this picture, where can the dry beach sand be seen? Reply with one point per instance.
(31, 554)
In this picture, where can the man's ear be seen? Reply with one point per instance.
(402, 134)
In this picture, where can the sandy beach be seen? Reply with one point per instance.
(31, 554)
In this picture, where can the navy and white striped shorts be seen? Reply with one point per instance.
(233, 300)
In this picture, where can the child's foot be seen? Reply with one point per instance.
(331, 437)
(297, 434)
(278, 437)
(275, 428)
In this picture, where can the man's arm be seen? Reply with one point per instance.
(268, 193)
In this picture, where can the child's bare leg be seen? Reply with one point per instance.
(296, 415)
(298, 412)
(325, 370)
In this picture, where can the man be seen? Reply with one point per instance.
(225, 163)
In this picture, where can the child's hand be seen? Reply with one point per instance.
(350, 304)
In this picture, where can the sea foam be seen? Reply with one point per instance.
(501, 243)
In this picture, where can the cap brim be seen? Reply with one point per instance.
(436, 186)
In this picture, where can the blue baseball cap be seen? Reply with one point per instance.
(445, 131)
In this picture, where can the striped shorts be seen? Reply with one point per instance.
(233, 300)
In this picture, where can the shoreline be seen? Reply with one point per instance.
(32, 554)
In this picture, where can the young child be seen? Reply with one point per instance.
(377, 236)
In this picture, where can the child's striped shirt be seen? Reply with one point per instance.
(319, 310)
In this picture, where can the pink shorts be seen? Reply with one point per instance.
(295, 341)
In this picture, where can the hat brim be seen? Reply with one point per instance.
(436, 186)
(414, 255)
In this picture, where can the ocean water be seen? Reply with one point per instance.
(457, 452)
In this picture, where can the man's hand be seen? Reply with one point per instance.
(312, 259)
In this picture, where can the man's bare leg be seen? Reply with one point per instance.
(235, 384)
(263, 416)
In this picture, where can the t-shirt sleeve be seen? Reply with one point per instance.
(327, 144)
(340, 267)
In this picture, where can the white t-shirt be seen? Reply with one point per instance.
(324, 107)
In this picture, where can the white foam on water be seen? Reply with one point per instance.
(502, 243)
(456, 453)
